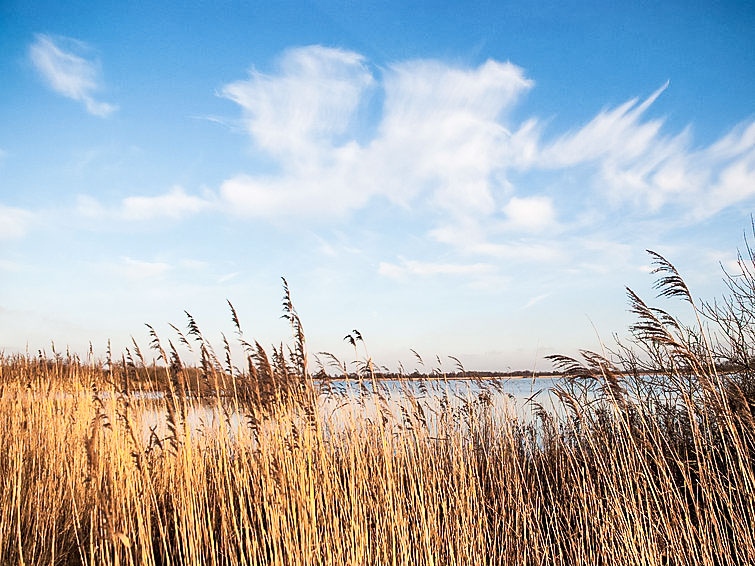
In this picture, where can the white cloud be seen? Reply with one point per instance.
(412, 267)
(617, 134)
(535, 300)
(174, 204)
(441, 133)
(68, 73)
(311, 101)
(302, 116)
(227, 277)
(445, 147)
(14, 222)
(636, 163)
(531, 214)
(322, 193)
(481, 276)
(735, 183)
(473, 237)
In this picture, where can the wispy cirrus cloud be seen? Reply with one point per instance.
(445, 145)
(307, 104)
(535, 300)
(476, 237)
(301, 115)
(439, 133)
(615, 134)
(412, 267)
(634, 162)
(173, 204)
(62, 63)
(441, 142)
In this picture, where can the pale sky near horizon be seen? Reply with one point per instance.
(475, 179)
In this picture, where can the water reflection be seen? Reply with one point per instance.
(397, 402)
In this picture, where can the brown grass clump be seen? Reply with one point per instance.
(127, 462)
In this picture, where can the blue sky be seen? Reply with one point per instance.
(475, 179)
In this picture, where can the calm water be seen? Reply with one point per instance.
(501, 394)
(341, 401)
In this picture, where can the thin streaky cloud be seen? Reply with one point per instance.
(68, 73)
(535, 300)
(227, 277)
(413, 267)
(174, 204)
(231, 124)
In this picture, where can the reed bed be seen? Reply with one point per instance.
(650, 460)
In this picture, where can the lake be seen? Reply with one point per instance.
(341, 401)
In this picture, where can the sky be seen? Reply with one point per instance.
(472, 179)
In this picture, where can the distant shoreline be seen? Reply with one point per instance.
(467, 377)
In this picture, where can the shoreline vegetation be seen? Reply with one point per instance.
(651, 459)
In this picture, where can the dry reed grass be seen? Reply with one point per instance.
(652, 464)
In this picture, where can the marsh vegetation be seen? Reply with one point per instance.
(648, 460)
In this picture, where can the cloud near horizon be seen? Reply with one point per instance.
(69, 73)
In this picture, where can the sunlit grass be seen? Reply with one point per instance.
(651, 464)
